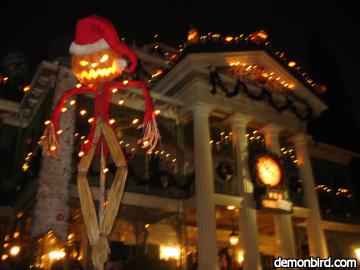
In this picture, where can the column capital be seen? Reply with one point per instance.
(272, 129)
(300, 138)
(201, 107)
(238, 119)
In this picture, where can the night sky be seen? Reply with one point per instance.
(322, 38)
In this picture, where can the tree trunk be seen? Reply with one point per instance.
(51, 211)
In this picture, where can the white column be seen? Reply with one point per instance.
(316, 237)
(283, 224)
(247, 222)
(204, 189)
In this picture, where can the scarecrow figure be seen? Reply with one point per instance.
(98, 59)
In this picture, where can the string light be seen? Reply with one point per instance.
(72, 102)
(63, 109)
(91, 119)
(26, 88)
(83, 112)
(157, 112)
(135, 121)
(121, 102)
(111, 121)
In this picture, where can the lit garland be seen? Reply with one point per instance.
(265, 94)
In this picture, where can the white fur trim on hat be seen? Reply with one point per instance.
(99, 45)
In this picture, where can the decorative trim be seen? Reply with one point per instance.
(289, 98)
(78, 49)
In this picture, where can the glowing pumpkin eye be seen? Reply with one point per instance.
(83, 63)
(104, 58)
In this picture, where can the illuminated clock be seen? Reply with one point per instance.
(268, 170)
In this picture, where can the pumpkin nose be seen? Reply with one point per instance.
(94, 65)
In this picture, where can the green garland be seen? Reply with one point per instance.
(264, 94)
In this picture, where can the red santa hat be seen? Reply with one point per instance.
(95, 33)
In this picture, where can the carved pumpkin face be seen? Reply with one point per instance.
(98, 67)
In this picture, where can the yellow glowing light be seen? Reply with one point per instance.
(91, 119)
(231, 207)
(240, 258)
(357, 253)
(105, 170)
(167, 253)
(111, 121)
(86, 141)
(81, 153)
(16, 234)
(121, 102)
(26, 88)
(292, 64)
(233, 238)
(268, 171)
(157, 112)
(47, 122)
(59, 131)
(56, 254)
(78, 85)
(114, 90)
(53, 148)
(72, 102)
(83, 112)
(95, 73)
(63, 109)
(4, 257)
(167, 155)
(145, 143)
(7, 237)
(157, 73)
(193, 36)
(83, 63)
(135, 121)
(6, 245)
(229, 38)
(25, 167)
(14, 251)
(104, 58)
(125, 82)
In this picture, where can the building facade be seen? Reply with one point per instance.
(236, 181)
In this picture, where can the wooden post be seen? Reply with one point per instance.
(102, 188)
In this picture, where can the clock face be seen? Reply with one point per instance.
(269, 171)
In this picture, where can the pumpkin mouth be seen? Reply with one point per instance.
(100, 72)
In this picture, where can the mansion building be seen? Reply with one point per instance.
(236, 181)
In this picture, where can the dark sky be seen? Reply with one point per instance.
(323, 38)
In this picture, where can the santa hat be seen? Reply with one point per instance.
(95, 33)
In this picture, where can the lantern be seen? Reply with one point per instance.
(97, 67)
(233, 238)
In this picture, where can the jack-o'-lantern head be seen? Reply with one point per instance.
(98, 54)
(97, 67)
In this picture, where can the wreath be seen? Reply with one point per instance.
(225, 171)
